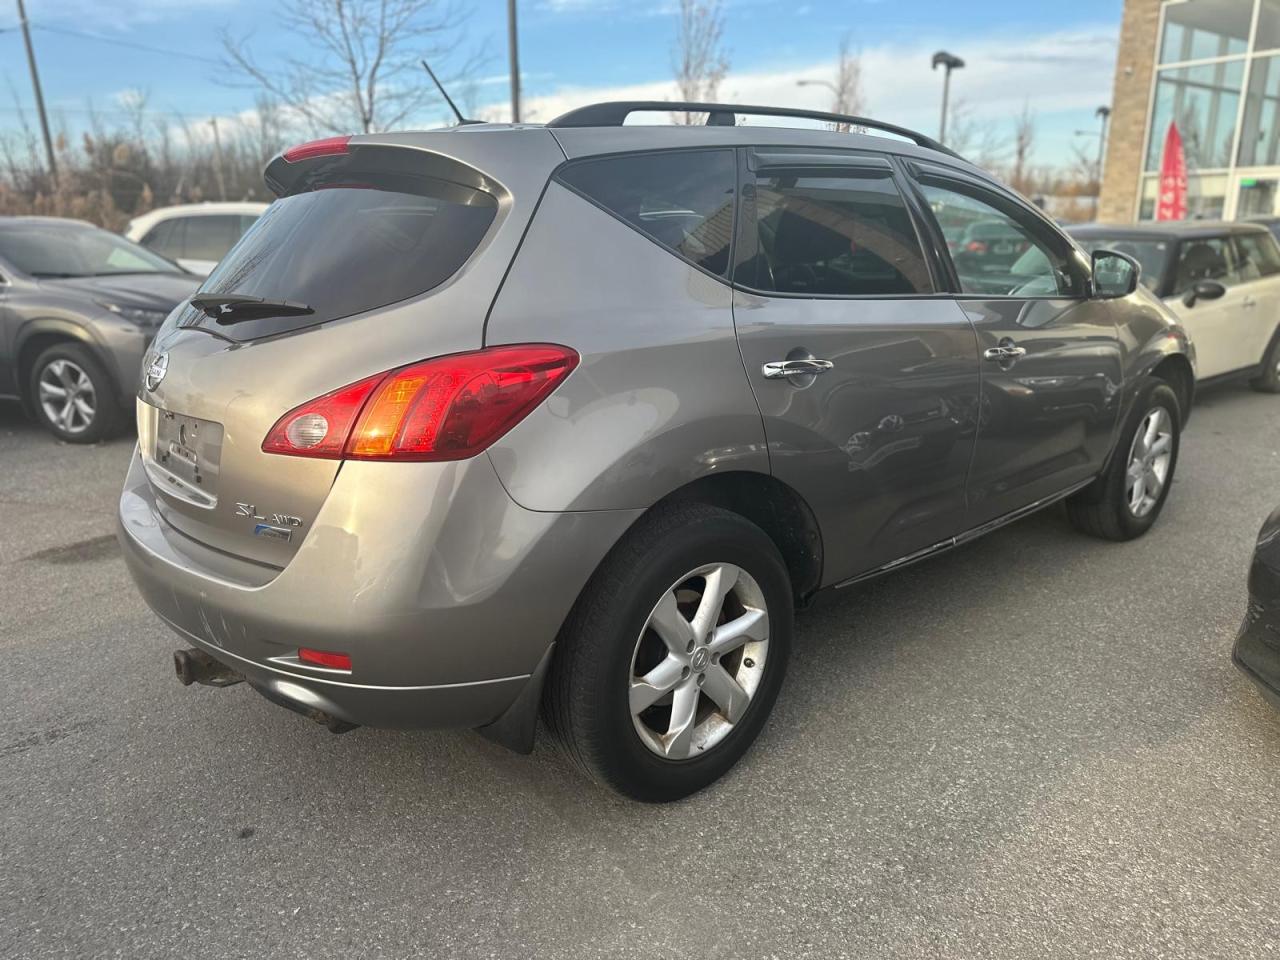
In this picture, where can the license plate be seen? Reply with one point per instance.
(189, 448)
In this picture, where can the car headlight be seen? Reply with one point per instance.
(139, 315)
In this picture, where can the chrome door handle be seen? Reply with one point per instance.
(781, 369)
(1249, 303)
(1005, 352)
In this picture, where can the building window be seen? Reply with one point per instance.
(1260, 136)
(1203, 29)
(1203, 101)
(1268, 37)
(1206, 196)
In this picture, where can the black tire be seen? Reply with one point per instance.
(1269, 380)
(106, 409)
(1103, 509)
(587, 702)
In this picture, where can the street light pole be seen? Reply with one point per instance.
(1103, 114)
(35, 85)
(513, 48)
(949, 62)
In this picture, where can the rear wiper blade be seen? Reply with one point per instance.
(228, 308)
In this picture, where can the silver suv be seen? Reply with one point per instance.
(573, 417)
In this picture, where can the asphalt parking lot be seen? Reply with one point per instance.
(1033, 747)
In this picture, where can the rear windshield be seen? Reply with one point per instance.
(1152, 254)
(347, 247)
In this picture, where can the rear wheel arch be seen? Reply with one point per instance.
(773, 506)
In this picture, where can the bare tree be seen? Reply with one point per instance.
(980, 142)
(1024, 143)
(360, 68)
(849, 99)
(699, 61)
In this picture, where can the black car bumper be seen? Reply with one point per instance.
(1257, 648)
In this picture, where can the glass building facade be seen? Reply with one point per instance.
(1217, 75)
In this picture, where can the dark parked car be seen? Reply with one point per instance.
(1257, 649)
(78, 307)
(575, 415)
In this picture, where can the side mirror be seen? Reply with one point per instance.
(1115, 274)
(1203, 290)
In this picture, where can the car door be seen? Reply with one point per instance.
(866, 374)
(1051, 358)
(1258, 266)
(1213, 324)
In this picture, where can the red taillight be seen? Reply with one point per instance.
(323, 658)
(328, 147)
(320, 428)
(976, 246)
(449, 408)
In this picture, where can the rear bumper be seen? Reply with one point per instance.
(443, 591)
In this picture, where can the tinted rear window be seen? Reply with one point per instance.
(348, 247)
(683, 199)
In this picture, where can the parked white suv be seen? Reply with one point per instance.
(196, 235)
(1222, 280)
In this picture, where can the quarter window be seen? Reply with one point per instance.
(833, 234)
(999, 253)
(683, 199)
(210, 237)
(165, 238)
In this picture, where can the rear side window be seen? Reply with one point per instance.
(165, 238)
(350, 245)
(682, 199)
(1258, 256)
(210, 237)
(834, 235)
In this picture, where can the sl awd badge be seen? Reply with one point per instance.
(273, 526)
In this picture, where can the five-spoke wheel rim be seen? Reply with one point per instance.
(1149, 459)
(698, 661)
(67, 396)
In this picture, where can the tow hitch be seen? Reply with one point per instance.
(196, 666)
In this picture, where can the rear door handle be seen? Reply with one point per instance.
(781, 369)
(1005, 352)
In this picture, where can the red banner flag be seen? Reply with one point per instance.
(1172, 202)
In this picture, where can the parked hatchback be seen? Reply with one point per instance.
(78, 307)
(1222, 280)
(196, 235)
(576, 415)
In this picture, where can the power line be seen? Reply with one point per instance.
(117, 42)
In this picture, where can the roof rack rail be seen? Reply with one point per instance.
(615, 113)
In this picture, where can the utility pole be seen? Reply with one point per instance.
(35, 85)
(217, 159)
(513, 48)
(1103, 114)
(949, 62)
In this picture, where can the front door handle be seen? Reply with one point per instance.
(1249, 303)
(781, 369)
(1005, 353)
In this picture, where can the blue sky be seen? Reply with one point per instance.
(1056, 57)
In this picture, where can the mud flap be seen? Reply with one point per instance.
(516, 728)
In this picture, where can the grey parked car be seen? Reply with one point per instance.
(576, 415)
(78, 307)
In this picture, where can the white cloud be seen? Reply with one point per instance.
(114, 14)
(1063, 73)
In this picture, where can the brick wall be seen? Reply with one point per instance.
(1135, 63)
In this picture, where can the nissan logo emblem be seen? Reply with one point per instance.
(155, 370)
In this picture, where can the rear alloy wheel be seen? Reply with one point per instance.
(698, 661)
(71, 394)
(1125, 501)
(674, 655)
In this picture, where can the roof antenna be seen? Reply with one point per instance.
(447, 99)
